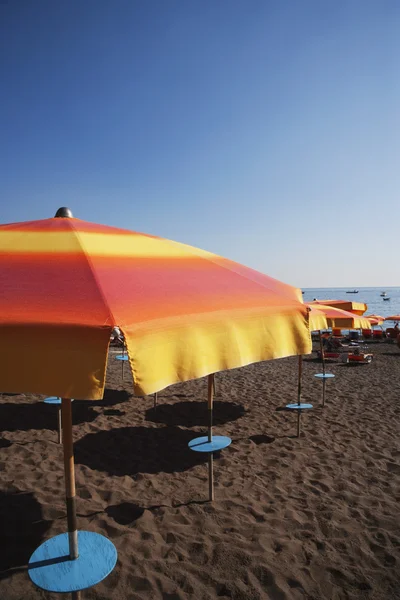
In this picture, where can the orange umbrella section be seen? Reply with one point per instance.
(358, 308)
(377, 317)
(184, 312)
(335, 317)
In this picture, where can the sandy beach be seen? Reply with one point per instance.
(309, 518)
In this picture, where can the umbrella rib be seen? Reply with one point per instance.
(93, 272)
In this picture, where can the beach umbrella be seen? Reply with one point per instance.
(184, 313)
(375, 319)
(335, 317)
(358, 308)
(317, 321)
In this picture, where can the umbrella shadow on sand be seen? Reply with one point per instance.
(24, 416)
(38, 415)
(127, 513)
(22, 530)
(134, 450)
(110, 398)
(191, 414)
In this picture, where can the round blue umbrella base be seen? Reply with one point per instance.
(51, 569)
(324, 375)
(201, 444)
(122, 357)
(298, 406)
(53, 400)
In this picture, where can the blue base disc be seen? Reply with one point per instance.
(324, 375)
(298, 406)
(53, 400)
(201, 444)
(51, 569)
(122, 357)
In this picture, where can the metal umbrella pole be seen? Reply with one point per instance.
(323, 368)
(299, 393)
(59, 426)
(209, 443)
(58, 565)
(210, 424)
(322, 351)
(324, 376)
(214, 386)
(69, 474)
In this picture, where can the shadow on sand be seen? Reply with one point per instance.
(22, 530)
(191, 414)
(23, 417)
(127, 513)
(133, 450)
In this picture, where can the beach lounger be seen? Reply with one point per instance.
(328, 354)
(377, 334)
(359, 359)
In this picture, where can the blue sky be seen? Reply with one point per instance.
(264, 131)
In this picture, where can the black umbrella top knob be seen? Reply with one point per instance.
(64, 212)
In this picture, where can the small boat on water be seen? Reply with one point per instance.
(386, 298)
(352, 292)
(383, 294)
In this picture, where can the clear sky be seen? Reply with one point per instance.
(264, 131)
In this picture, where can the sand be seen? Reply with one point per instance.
(315, 517)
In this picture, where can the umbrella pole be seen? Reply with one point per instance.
(214, 386)
(69, 477)
(123, 359)
(322, 352)
(299, 394)
(59, 426)
(155, 400)
(210, 456)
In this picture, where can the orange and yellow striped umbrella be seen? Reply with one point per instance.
(184, 312)
(377, 317)
(358, 308)
(335, 317)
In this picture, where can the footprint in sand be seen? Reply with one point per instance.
(393, 467)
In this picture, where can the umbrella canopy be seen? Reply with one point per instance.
(374, 321)
(376, 317)
(317, 319)
(335, 317)
(393, 318)
(358, 308)
(184, 312)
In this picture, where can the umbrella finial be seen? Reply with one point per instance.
(64, 212)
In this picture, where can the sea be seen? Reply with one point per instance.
(371, 296)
